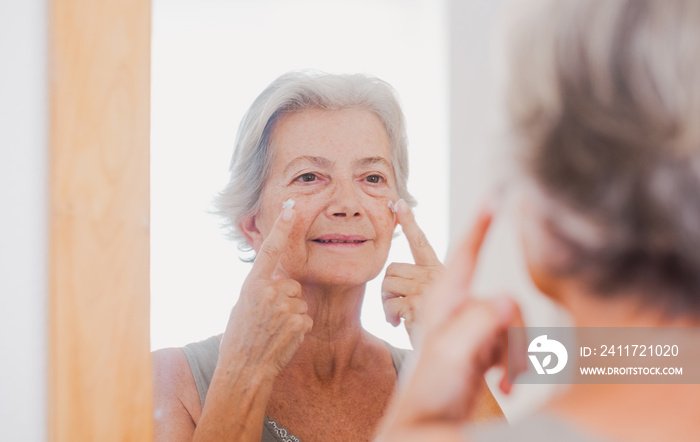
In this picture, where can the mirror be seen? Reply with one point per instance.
(210, 59)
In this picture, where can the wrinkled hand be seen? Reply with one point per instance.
(268, 323)
(405, 284)
(460, 339)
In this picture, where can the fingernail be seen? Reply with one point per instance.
(287, 214)
(402, 206)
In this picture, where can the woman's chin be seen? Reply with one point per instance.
(332, 271)
(339, 278)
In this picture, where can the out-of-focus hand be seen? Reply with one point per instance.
(405, 284)
(459, 340)
(268, 323)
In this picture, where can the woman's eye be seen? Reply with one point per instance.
(307, 177)
(374, 179)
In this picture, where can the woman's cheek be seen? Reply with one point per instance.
(294, 257)
(301, 225)
(385, 222)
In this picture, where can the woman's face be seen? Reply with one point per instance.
(336, 166)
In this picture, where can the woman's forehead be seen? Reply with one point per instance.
(315, 135)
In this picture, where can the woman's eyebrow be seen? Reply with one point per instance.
(373, 160)
(317, 161)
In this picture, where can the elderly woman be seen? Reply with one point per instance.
(318, 185)
(605, 109)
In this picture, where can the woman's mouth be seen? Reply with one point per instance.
(340, 240)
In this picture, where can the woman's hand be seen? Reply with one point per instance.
(268, 323)
(266, 327)
(405, 284)
(460, 339)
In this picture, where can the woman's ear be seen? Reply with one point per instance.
(248, 227)
(538, 250)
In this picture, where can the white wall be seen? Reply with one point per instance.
(211, 58)
(23, 232)
(477, 162)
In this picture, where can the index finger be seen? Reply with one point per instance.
(271, 249)
(456, 283)
(421, 249)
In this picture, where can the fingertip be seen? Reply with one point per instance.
(485, 216)
(392, 206)
(504, 385)
(288, 214)
(393, 320)
(402, 206)
(288, 204)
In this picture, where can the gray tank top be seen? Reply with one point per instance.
(203, 356)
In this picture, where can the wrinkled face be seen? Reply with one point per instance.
(336, 166)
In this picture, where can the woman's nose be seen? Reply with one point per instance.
(345, 201)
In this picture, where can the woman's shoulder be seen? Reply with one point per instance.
(170, 369)
(175, 379)
(175, 401)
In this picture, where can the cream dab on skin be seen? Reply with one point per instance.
(288, 204)
(392, 206)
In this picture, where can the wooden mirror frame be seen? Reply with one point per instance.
(99, 365)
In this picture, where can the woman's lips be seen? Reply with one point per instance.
(342, 240)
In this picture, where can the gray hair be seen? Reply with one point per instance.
(604, 103)
(292, 92)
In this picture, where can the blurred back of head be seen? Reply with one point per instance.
(604, 104)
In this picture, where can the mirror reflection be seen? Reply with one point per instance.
(210, 60)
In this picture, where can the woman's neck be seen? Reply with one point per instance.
(329, 349)
(335, 311)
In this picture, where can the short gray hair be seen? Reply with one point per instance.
(604, 102)
(292, 92)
